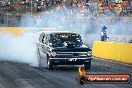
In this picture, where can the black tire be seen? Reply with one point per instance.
(49, 63)
(87, 65)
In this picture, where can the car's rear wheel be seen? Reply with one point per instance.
(49, 63)
(87, 65)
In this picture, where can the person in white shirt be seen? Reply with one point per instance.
(103, 34)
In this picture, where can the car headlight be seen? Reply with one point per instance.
(53, 53)
(89, 53)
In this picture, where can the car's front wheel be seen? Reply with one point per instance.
(87, 65)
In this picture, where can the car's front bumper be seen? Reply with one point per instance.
(70, 61)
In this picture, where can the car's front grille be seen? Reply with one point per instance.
(71, 54)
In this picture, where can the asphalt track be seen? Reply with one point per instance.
(19, 75)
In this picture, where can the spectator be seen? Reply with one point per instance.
(100, 8)
(18, 17)
(96, 7)
(1, 18)
(106, 9)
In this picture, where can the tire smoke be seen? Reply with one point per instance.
(18, 48)
(23, 48)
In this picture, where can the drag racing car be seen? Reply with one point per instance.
(62, 48)
(130, 41)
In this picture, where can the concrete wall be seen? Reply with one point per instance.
(114, 51)
(13, 30)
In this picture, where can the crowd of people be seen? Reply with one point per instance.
(106, 7)
(29, 5)
(14, 9)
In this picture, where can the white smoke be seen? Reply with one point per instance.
(65, 19)
(88, 25)
(18, 48)
(23, 48)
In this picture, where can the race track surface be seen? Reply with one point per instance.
(18, 75)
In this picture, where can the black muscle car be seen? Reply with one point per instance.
(62, 48)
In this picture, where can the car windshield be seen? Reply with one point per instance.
(65, 39)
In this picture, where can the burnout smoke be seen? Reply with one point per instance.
(86, 23)
(23, 48)
(18, 48)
